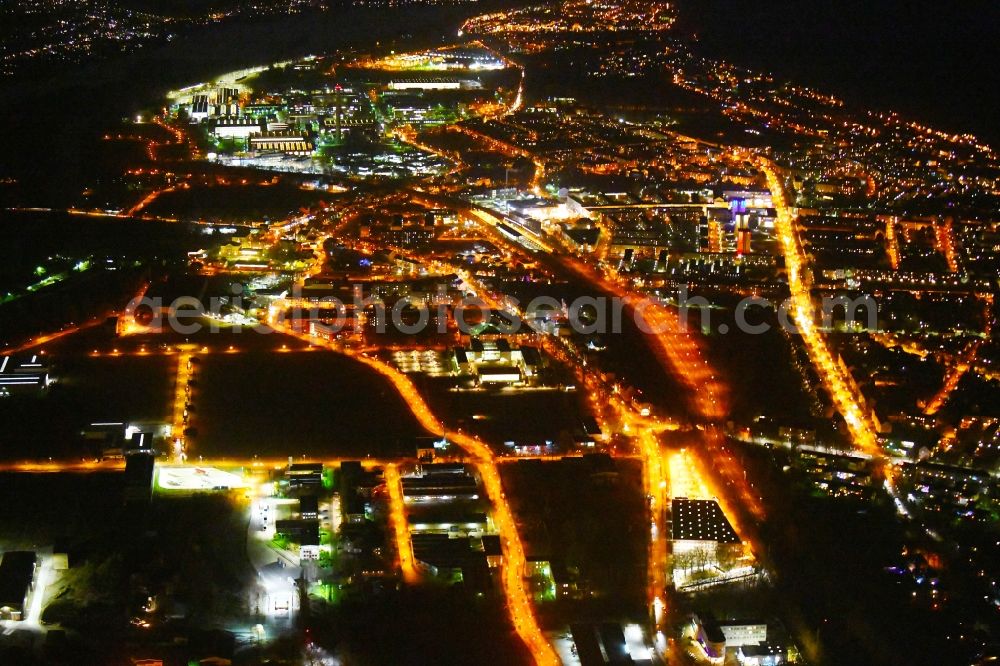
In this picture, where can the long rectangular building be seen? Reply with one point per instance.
(20, 376)
(700, 520)
(443, 482)
(17, 574)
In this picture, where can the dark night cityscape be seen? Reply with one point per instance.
(583, 332)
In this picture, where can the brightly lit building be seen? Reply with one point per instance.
(27, 375)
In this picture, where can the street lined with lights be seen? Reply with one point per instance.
(835, 377)
(398, 524)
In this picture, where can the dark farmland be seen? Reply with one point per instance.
(300, 404)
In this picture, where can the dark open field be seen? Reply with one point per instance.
(592, 524)
(87, 390)
(234, 203)
(526, 417)
(298, 403)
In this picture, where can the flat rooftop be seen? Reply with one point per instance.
(17, 570)
(700, 520)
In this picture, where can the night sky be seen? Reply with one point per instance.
(936, 61)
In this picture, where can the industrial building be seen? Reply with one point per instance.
(765, 654)
(449, 523)
(601, 644)
(441, 482)
(700, 521)
(304, 475)
(452, 558)
(302, 531)
(139, 479)
(747, 638)
(357, 486)
(22, 376)
(430, 83)
(236, 128)
(281, 141)
(491, 362)
(17, 575)
(308, 507)
(218, 102)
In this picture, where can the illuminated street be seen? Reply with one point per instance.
(558, 333)
(837, 383)
(397, 518)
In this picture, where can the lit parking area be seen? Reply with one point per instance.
(427, 361)
(192, 478)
